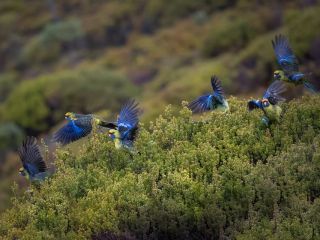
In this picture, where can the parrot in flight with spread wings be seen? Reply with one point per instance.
(33, 167)
(124, 131)
(270, 103)
(213, 101)
(78, 126)
(289, 64)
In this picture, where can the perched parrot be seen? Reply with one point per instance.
(212, 101)
(124, 131)
(78, 126)
(34, 167)
(270, 103)
(289, 64)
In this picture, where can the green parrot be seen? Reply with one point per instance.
(270, 103)
(124, 131)
(78, 126)
(34, 167)
(289, 64)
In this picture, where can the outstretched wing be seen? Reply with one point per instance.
(201, 104)
(273, 92)
(31, 157)
(216, 86)
(286, 59)
(74, 130)
(128, 119)
(254, 104)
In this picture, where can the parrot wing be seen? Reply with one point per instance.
(216, 86)
(254, 104)
(285, 56)
(201, 104)
(31, 157)
(273, 92)
(128, 120)
(74, 130)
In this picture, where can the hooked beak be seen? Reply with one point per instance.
(276, 76)
(21, 172)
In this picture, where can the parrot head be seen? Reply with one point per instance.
(265, 103)
(22, 172)
(278, 75)
(70, 116)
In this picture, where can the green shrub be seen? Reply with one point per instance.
(10, 136)
(37, 104)
(48, 44)
(7, 83)
(222, 176)
(231, 31)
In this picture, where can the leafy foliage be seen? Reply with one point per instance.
(221, 176)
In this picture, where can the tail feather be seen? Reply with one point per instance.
(310, 87)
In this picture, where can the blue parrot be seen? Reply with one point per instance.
(270, 103)
(34, 167)
(212, 101)
(289, 64)
(78, 126)
(124, 131)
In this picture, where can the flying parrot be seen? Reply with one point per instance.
(34, 167)
(270, 103)
(213, 101)
(78, 126)
(124, 131)
(289, 64)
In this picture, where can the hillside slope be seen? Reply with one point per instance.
(222, 177)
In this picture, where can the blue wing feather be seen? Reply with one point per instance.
(273, 92)
(31, 157)
(201, 104)
(129, 114)
(254, 104)
(216, 86)
(31, 169)
(284, 54)
(128, 120)
(73, 131)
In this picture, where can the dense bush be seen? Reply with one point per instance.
(217, 178)
(232, 31)
(54, 38)
(7, 83)
(39, 103)
(10, 136)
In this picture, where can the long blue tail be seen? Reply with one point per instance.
(310, 87)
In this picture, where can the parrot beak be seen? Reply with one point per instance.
(276, 75)
(67, 115)
(21, 172)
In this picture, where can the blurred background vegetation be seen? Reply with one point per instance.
(91, 56)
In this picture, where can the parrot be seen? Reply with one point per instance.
(213, 101)
(34, 167)
(289, 64)
(78, 126)
(270, 103)
(124, 131)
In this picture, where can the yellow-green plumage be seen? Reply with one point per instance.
(273, 113)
